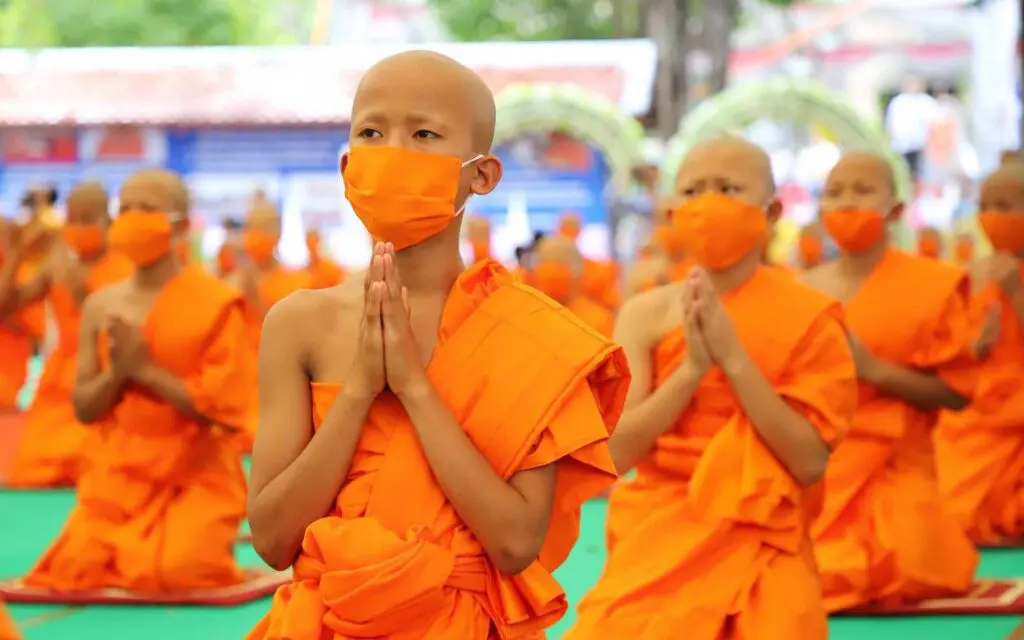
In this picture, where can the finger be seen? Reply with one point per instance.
(373, 299)
(405, 302)
(394, 289)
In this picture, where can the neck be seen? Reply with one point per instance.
(863, 263)
(729, 279)
(431, 266)
(156, 275)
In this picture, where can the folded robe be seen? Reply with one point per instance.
(160, 503)
(883, 526)
(980, 451)
(532, 386)
(54, 444)
(7, 629)
(710, 539)
(19, 334)
(597, 317)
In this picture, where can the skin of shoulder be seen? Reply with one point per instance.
(815, 276)
(636, 314)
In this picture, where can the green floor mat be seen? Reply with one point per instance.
(29, 520)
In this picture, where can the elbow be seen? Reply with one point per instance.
(84, 412)
(270, 543)
(812, 471)
(517, 552)
(955, 402)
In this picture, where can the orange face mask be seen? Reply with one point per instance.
(570, 228)
(1004, 230)
(143, 236)
(928, 247)
(259, 245)
(481, 249)
(226, 260)
(554, 279)
(718, 231)
(810, 250)
(964, 251)
(668, 239)
(403, 196)
(854, 231)
(86, 240)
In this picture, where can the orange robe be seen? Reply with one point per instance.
(160, 503)
(595, 315)
(980, 451)
(393, 560)
(7, 629)
(324, 273)
(600, 283)
(54, 444)
(710, 538)
(884, 534)
(19, 334)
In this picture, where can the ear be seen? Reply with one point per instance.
(486, 176)
(774, 211)
(895, 213)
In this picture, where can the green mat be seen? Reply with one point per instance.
(29, 520)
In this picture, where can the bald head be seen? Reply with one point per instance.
(263, 217)
(729, 165)
(430, 87)
(861, 181)
(88, 203)
(558, 249)
(1003, 190)
(156, 190)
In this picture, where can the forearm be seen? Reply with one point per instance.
(171, 389)
(493, 510)
(1017, 301)
(280, 512)
(925, 391)
(9, 298)
(94, 398)
(790, 437)
(640, 427)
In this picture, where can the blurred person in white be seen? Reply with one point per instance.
(908, 120)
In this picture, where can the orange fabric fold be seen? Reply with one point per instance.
(54, 445)
(883, 523)
(601, 283)
(980, 451)
(596, 316)
(16, 347)
(709, 539)
(161, 500)
(532, 386)
(7, 629)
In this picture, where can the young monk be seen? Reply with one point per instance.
(427, 432)
(929, 243)
(54, 445)
(810, 247)
(479, 232)
(964, 249)
(883, 535)
(323, 272)
(980, 451)
(742, 383)
(159, 363)
(558, 271)
(16, 338)
(600, 279)
(228, 254)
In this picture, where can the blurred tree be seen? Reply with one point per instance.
(91, 23)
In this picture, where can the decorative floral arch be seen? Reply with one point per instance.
(785, 100)
(587, 116)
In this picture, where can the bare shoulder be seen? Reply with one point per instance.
(647, 314)
(819, 276)
(104, 299)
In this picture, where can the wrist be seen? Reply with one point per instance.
(415, 391)
(736, 364)
(358, 399)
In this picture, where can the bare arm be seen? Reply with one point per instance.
(923, 389)
(1017, 300)
(96, 391)
(647, 415)
(509, 518)
(789, 436)
(296, 475)
(171, 389)
(13, 296)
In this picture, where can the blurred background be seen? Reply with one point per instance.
(598, 99)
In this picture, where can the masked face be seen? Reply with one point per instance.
(403, 196)
(143, 236)
(718, 231)
(259, 245)
(86, 240)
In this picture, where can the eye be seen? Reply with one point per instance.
(367, 132)
(730, 189)
(425, 134)
(689, 192)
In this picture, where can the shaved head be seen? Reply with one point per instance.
(156, 190)
(747, 156)
(88, 203)
(439, 83)
(867, 163)
(559, 249)
(861, 181)
(263, 216)
(1003, 190)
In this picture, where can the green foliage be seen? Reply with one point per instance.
(117, 23)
